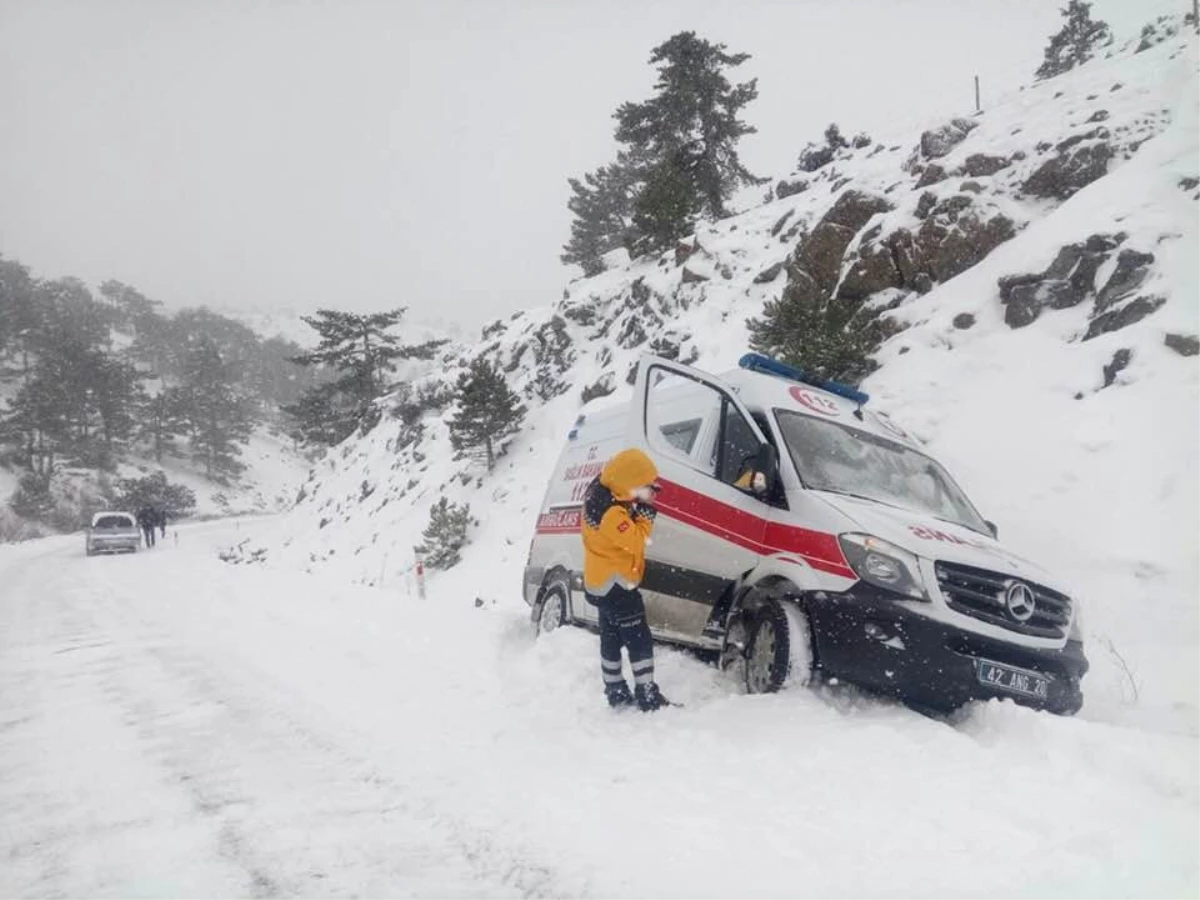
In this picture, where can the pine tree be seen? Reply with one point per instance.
(602, 204)
(131, 307)
(823, 339)
(693, 117)
(667, 206)
(220, 420)
(322, 415)
(18, 315)
(37, 421)
(1076, 41)
(446, 534)
(116, 396)
(161, 420)
(362, 349)
(489, 412)
(176, 500)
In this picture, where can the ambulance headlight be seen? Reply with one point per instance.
(884, 565)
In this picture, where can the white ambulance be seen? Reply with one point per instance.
(846, 553)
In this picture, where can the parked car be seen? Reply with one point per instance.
(847, 553)
(113, 532)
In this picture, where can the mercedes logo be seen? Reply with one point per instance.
(1019, 599)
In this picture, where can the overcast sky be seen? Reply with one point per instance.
(365, 155)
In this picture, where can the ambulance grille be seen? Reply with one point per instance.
(981, 594)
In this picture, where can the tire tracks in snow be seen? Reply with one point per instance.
(274, 791)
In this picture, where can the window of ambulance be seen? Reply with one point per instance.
(694, 422)
(832, 457)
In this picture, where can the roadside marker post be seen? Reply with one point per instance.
(419, 568)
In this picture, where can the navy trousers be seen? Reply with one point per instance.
(623, 624)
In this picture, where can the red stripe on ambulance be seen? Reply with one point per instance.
(817, 548)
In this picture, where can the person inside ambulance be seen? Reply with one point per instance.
(751, 480)
(618, 516)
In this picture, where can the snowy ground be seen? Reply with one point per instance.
(171, 725)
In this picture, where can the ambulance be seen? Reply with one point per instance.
(802, 537)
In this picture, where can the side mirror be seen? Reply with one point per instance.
(767, 464)
(993, 529)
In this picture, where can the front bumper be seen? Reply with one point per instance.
(866, 637)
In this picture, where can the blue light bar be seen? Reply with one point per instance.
(756, 362)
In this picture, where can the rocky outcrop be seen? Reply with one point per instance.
(1080, 160)
(1132, 269)
(937, 142)
(981, 165)
(769, 274)
(553, 354)
(820, 255)
(931, 174)
(787, 188)
(1067, 282)
(684, 251)
(690, 277)
(1071, 279)
(1183, 344)
(956, 234)
(1116, 365)
(602, 387)
(873, 270)
(1124, 316)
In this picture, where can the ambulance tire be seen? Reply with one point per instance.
(553, 610)
(778, 647)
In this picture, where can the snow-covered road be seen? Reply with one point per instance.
(171, 725)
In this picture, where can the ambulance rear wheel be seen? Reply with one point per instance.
(552, 611)
(778, 647)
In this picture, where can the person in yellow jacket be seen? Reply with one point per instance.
(618, 516)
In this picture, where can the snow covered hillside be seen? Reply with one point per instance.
(1004, 377)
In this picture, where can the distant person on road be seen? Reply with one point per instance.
(147, 519)
(618, 515)
(162, 522)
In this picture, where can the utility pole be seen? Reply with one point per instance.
(977, 106)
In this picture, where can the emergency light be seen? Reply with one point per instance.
(756, 362)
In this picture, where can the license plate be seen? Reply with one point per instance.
(1015, 681)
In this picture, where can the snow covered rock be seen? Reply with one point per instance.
(1081, 160)
(1183, 344)
(938, 142)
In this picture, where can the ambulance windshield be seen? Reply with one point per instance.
(832, 457)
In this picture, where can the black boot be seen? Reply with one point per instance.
(650, 698)
(618, 694)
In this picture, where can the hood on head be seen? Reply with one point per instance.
(627, 470)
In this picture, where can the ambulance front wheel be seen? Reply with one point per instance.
(552, 610)
(778, 647)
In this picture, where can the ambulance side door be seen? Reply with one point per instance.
(708, 532)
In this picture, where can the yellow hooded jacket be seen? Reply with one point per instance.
(614, 540)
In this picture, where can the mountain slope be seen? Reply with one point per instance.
(1094, 170)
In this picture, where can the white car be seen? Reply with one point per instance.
(847, 552)
(113, 532)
